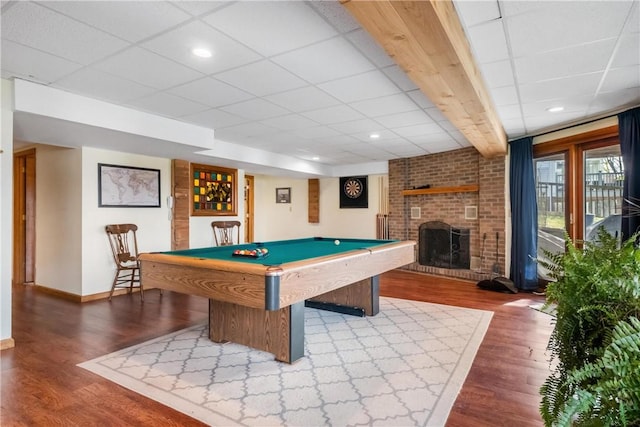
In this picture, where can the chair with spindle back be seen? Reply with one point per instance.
(124, 245)
(226, 233)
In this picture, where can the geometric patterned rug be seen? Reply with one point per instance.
(404, 366)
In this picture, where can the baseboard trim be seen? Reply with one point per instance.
(83, 298)
(7, 343)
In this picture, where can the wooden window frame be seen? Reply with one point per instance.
(573, 148)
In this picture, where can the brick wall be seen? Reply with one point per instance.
(453, 168)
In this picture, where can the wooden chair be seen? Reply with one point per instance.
(226, 233)
(124, 245)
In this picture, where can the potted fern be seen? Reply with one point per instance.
(595, 344)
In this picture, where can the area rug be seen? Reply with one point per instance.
(404, 366)
(542, 307)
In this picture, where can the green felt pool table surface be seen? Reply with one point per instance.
(283, 251)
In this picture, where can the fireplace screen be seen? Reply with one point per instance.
(444, 246)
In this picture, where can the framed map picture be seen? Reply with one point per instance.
(353, 192)
(213, 190)
(128, 187)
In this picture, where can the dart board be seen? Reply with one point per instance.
(353, 192)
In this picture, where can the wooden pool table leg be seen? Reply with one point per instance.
(363, 294)
(280, 332)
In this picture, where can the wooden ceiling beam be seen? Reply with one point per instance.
(427, 41)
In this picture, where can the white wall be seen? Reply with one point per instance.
(58, 255)
(154, 225)
(6, 209)
(276, 221)
(200, 231)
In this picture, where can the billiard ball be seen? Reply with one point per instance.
(336, 242)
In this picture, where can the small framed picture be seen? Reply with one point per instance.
(283, 195)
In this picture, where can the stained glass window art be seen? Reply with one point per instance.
(214, 190)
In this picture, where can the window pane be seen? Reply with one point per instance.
(603, 175)
(550, 193)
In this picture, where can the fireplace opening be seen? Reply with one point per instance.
(444, 246)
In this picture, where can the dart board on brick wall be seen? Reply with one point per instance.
(353, 192)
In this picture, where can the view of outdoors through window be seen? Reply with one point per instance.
(600, 188)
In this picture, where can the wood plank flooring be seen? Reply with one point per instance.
(42, 386)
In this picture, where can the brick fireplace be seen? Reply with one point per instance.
(473, 200)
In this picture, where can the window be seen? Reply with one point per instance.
(578, 187)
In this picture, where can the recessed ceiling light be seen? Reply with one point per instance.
(315, 158)
(555, 109)
(201, 52)
(374, 136)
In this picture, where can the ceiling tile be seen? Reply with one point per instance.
(261, 78)
(98, 84)
(435, 114)
(303, 99)
(370, 48)
(505, 95)
(363, 86)
(490, 43)
(147, 68)
(199, 7)
(621, 78)
(562, 25)
(407, 118)
(385, 105)
(32, 25)
(357, 126)
(178, 44)
(385, 135)
(290, 25)
(497, 74)
(565, 62)
(316, 63)
(400, 78)
(168, 105)
(211, 92)
(215, 119)
(316, 132)
(244, 130)
(476, 12)
(615, 100)
(255, 109)
(418, 130)
(335, 14)
(628, 51)
(560, 88)
(33, 64)
(289, 122)
(336, 114)
(129, 20)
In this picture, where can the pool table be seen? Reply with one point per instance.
(259, 301)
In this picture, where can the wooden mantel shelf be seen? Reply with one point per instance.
(441, 190)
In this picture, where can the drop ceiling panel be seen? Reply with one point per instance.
(96, 83)
(310, 63)
(492, 43)
(215, 118)
(376, 54)
(399, 77)
(178, 44)
(290, 122)
(564, 62)
(148, 68)
(168, 105)
(290, 25)
(211, 92)
(336, 114)
(130, 20)
(404, 119)
(385, 105)
(620, 79)
(255, 109)
(303, 99)
(32, 25)
(357, 126)
(363, 86)
(261, 78)
(33, 64)
(560, 88)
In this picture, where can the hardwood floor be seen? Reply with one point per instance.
(42, 386)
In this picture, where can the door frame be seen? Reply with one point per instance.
(24, 217)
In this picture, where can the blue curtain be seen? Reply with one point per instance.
(629, 130)
(524, 215)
